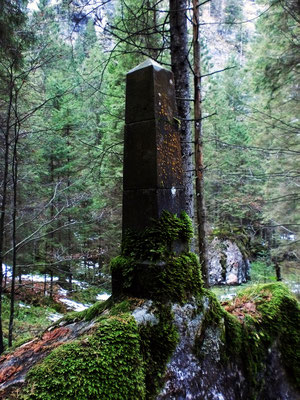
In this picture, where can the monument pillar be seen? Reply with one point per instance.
(153, 175)
(155, 262)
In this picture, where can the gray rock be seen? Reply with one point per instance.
(226, 263)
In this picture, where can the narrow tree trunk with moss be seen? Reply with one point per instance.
(181, 71)
(199, 166)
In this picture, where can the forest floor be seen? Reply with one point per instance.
(35, 310)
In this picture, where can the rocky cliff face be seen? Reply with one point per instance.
(226, 263)
(224, 40)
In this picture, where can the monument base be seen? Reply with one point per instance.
(156, 263)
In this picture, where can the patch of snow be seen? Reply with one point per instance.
(53, 317)
(73, 305)
(228, 296)
(288, 236)
(38, 278)
(6, 270)
(103, 296)
(82, 285)
(24, 305)
(63, 292)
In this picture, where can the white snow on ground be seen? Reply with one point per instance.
(73, 305)
(38, 278)
(228, 296)
(82, 285)
(53, 317)
(63, 292)
(23, 305)
(6, 269)
(103, 296)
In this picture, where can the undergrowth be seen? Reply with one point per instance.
(29, 321)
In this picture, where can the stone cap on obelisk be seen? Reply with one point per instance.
(152, 178)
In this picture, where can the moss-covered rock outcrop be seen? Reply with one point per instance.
(162, 336)
(141, 349)
(263, 322)
(122, 357)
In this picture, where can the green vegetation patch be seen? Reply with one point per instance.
(29, 320)
(120, 360)
(278, 319)
(156, 263)
(106, 365)
(260, 317)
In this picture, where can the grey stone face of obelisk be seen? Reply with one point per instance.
(153, 175)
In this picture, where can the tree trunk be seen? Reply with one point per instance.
(181, 70)
(4, 199)
(199, 166)
(14, 232)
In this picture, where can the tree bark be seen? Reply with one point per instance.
(199, 166)
(181, 71)
(14, 232)
(4, 197)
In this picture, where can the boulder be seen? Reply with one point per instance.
(227, 265)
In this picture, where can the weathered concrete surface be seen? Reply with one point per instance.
(153, 174)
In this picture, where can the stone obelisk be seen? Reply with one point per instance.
(152, 179)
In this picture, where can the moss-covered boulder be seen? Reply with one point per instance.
(143, 349)
(162, 336)
(106, 364)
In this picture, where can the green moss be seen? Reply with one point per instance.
(156, 263)
(213, 317)
(106, 365)
(120, 360)
(158, 343)
(157, 240)
(90, 313)
(279, 321)
(247, 343)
